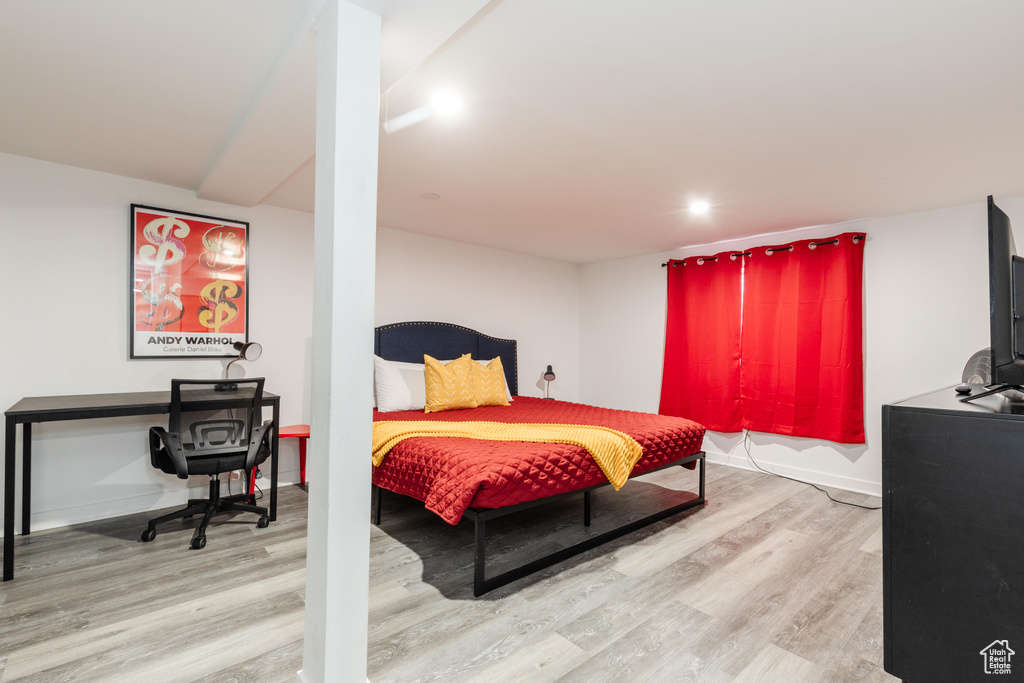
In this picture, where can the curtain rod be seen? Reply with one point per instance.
(701, 259)
(769, 250)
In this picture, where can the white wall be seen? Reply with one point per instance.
(926, 312)
(64, 274)
(512, 296)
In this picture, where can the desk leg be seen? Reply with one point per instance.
(9, 500)
(276, 454)
(26, 477)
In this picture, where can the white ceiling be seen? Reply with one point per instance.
(589, 124)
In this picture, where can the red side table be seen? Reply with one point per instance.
(300, 432)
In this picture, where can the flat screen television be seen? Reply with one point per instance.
(1006, 304)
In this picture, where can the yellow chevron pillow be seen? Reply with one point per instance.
(449, 387)
(489, 383)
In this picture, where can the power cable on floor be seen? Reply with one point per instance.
(746, 436)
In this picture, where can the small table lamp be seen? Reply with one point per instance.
(549, 377)
(249, 351)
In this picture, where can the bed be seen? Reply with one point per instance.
(458, 478)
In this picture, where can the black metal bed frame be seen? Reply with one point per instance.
(481, 584)
(408, 341)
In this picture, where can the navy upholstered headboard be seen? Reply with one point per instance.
(407, 342)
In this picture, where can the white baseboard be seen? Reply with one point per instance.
(740, 461)
(95, 511)
(302, 677)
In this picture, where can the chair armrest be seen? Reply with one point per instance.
(259, 437)
(171, 443)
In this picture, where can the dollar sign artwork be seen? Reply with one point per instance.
(224, 249)
(163, 249)
(165, 304)
(218, 309)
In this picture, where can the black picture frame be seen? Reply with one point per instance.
(188, 284)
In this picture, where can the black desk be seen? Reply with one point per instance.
(86, 407)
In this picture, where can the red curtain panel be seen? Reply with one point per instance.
(802, 340)
(702, 341)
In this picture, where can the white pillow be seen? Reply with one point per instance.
(403, 386)
(399, 386)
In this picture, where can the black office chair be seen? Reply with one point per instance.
(200, 441)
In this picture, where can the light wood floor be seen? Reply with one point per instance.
(92, 603)
(768, 582)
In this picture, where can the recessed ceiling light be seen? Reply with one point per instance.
(446, 103)
(699, 207)
(430, 195)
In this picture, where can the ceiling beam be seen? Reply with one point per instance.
(243, 171)
(273, 137)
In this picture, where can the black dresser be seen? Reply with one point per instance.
(953, 538)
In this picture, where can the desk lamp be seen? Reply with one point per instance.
(249, 351)
(549, 377)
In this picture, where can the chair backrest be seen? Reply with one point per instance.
(198, 409)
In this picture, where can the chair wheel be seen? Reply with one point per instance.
(263, 522)
(199, 542)
(148, 535)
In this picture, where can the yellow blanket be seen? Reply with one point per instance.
(614, 452)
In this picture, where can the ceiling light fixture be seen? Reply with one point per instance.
(446, 103)
(407, 119)
(699, 207)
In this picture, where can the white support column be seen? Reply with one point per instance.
(337, 561)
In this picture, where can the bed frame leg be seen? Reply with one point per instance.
(586, 508)
(701, 466)
(479, 580)
(377, 503)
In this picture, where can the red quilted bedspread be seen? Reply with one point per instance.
(450, 474)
